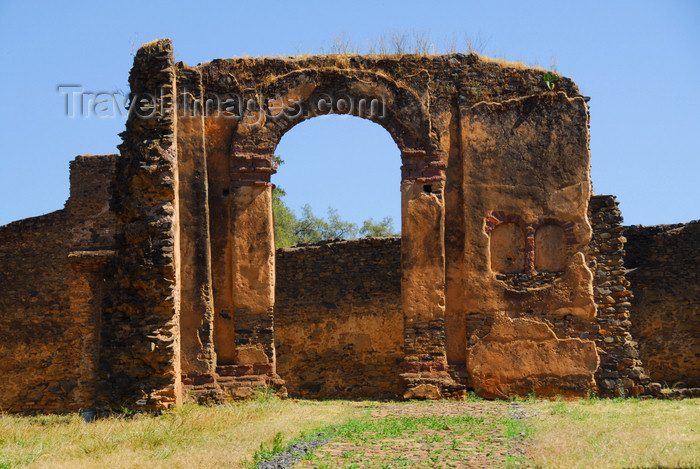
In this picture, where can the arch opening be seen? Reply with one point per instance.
(299, 96)
(340, 163)
(338, 316)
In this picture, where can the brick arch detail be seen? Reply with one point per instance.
(301, 95)
(529, 228)
(319, 92)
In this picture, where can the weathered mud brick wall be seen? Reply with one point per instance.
(525, 193)
(620, 373)
(338, 319)
(51, 287)
(664, 263)
(197, 308)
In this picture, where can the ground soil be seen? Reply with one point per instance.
(486, 443)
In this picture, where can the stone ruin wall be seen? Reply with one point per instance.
(310, 274)
(38, 367)
(620, 372)
(665, 276)
(141, 310)
(338, 319)
(172, 284)
(51, 279)
(441, 112)
(359, 283)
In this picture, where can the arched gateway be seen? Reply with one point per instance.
(192, 193)
(176, 297)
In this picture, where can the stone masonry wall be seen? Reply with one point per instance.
(338, 319)
(664, 263)
(620, 372)
(35, 358)
(49, 299)
(106, 302)
(661, 269)
(336, 275)
(140, 366)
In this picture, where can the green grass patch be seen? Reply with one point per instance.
(266, 452)
(586, 433)
(397, 440)
(515, 428)
(367, 429)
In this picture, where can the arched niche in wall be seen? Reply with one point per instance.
(507, 249)
(550, 248)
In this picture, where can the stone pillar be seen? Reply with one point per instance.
(196, 303)
(140, 359)
(423, 277)
(253, 273)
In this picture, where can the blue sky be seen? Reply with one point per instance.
(639, 61)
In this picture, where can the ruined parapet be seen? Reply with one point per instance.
(620, 373)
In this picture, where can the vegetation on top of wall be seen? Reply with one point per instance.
(418, 43)
(422, 44)
(404, 42)
(550, 79)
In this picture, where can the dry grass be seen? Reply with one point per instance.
(404, 42)
(421, 44)
(587, 433)
(398, 43)
(509, 64)
(192, 436)
(614, 433)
